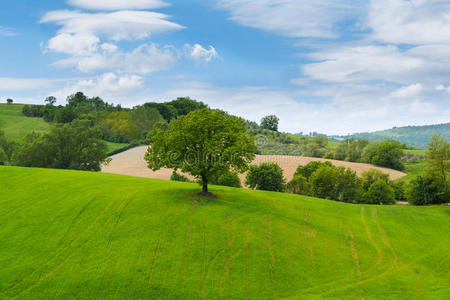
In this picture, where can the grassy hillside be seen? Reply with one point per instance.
(417, 136)
(16, 126)
(79, 235)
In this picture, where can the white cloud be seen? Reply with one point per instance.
(74, 44)
(200, 54)
(410, 21)
(145, 59)
(106, 85)
(409, 91)
(117, 4)
(293, 18)
(20, 84)
(116, 26)
(5, 31)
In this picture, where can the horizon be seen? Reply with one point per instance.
(333, 68)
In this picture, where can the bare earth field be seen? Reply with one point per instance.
(132, 163)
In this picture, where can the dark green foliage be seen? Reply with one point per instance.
(299, 185)
(203, 143)
(399, 190)
(270, 122)
(371, 176)
(178, 177)
(50, 100)
(348, 187)
(72, 146)
(380, 192)
(230, 179)
(425, 190)
(9, 101)
(267, 177)
(351, 150)
(385, 153)
(323, 182)
(310, 168)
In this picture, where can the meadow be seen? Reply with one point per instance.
(81, 235)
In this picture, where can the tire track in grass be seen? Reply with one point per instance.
(44, 276)
(272, 257)
(226, 253)
(384, 237)
(60, 250)
(187, 244)
(369, 236)
(213, 258)
(354, 253)
(117, 222)
(75, 219)
(155, 255)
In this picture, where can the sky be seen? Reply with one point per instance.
(330, 66)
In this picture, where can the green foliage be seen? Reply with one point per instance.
(71, 146)
(270, 122)
(230, 179)
(308, 169)
(3, 157)
(348, 186)
(371, 176)
(329, 155)
(299, 185)
(438, 158)
(399, 190)
(380, 192)
(50, 100)
(351, 150)
(178, 177)
(323, 182)
(425, 190)
(9, 101)
(266, 176)
(203, 143)
(385, 153)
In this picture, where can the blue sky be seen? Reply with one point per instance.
(330, 66)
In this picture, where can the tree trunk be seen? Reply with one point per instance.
(205, 185)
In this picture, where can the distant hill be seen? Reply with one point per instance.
(413, 136)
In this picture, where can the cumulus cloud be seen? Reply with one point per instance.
(105, 85)
(200, 54)
(117, 4)
(145, 59)
(292, 18)
(410, 21)
(116, 26)
(408, 91)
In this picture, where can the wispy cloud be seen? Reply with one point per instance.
(117, 4)
(5, 31)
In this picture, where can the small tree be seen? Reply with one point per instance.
(380, 192)
(50, 101)
(323, 182)
(266, 176)
(385, 153)
(204, 143)
(299, 185)
(9, 101)
(439, 162)
(270, 122)
(371, 176)
(229, 179)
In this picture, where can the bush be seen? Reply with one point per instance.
(329, 155)
(3, 157)
(179, 177)
(299, 185)
(323, 182)
(371, 176)
(385, 153)
(380, 192)
(266, 176)
(310, 168)
(229, 179)
(399, 190)
(425, 190)
(348, 186)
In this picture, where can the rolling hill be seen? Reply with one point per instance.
(16, 126)
(413, 136)
(81, 235)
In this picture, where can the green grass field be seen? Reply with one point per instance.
(81, 235)
(16, 126)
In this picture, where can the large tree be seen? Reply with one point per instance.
(204, 143)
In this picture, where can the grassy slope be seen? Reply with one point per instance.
(16, 126)
(81, 235)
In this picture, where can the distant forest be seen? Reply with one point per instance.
(412, 136)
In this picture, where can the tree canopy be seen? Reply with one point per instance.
(270, 122)
(204, 143)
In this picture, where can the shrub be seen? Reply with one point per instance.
(178, 177)
(348, 186)
(3, 157)
(329, 155)
(371, 176)
(425, 190)
(399, 190)
(266, 176)
(385, 153)
(323, 182)
(380, 192)
(299, 185)
(310, 168)
(229, 179)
